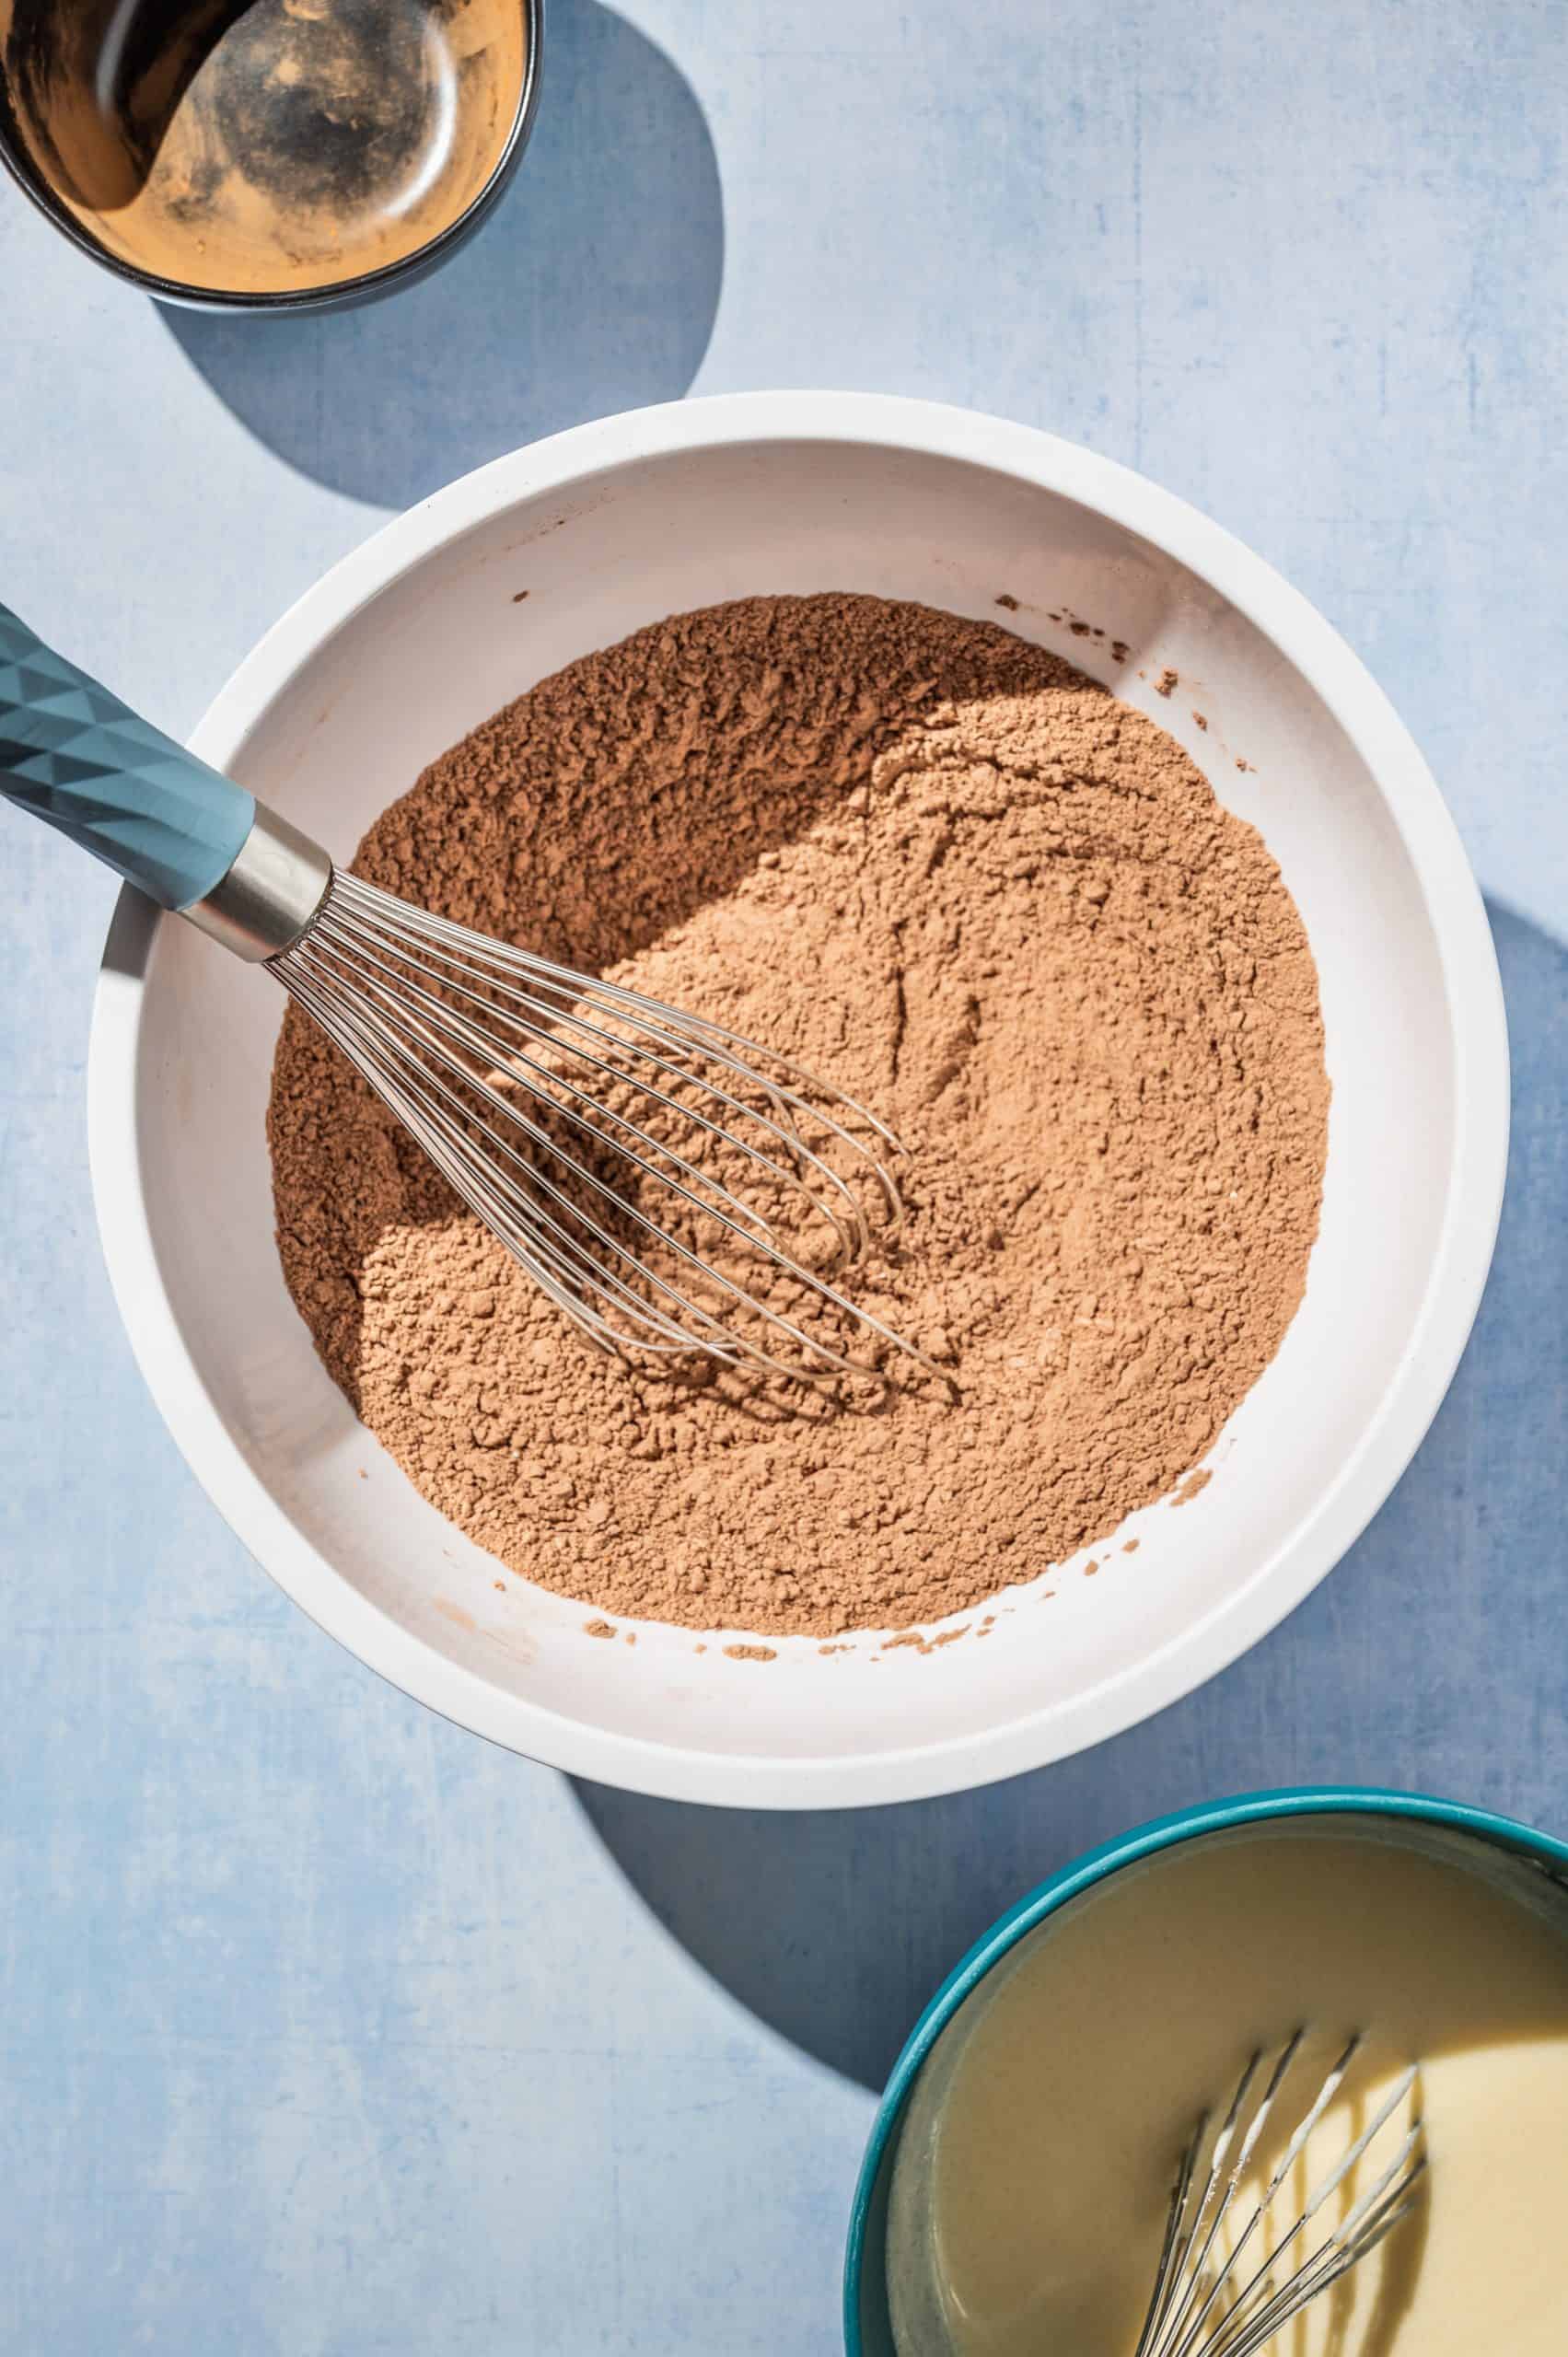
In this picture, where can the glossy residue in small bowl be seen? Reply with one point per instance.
(266, 154)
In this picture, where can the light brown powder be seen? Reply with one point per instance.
(972, 887)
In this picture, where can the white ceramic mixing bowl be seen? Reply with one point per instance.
(422, 634)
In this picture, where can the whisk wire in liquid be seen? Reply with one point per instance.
(1203, 2304)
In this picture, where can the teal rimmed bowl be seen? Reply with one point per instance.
(867, 2330)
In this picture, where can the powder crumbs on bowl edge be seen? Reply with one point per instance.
(917, 1639)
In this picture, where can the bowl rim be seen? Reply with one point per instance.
(1096, 1866)
(1460, 1262)
(335, 294)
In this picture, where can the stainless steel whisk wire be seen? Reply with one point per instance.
(436, 1017)
(512, 1072)
(1204, 2305)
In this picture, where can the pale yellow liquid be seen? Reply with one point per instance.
(1034, 2169)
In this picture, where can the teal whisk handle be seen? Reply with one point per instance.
(189, 838)
(74, 755)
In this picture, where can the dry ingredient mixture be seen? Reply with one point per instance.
(970, 887)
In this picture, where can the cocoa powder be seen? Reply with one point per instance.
(972, 887)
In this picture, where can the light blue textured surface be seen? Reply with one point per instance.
(324, 2029)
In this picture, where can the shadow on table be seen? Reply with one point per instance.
(835, 1927)
(592, 288)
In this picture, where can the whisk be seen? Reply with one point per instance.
(1237, 2264)
(672, 1186)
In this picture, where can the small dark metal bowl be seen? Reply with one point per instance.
(360, 286)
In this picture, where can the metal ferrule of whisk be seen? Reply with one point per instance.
(672, 1186)
(1245, 2252)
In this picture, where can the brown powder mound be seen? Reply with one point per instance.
(969, 887)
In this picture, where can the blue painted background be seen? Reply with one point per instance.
(324, 2029)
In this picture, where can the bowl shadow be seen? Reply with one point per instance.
(592, 287)
(1431, 1660)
